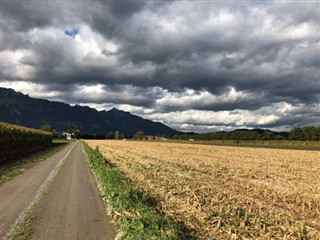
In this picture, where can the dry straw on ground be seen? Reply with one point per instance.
(227, 192)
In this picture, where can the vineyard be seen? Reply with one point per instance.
(226, 192)
(14, 138)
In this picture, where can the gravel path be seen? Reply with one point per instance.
(73, 208)
(70, 208)
(18, 193)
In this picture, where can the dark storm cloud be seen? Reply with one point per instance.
(122, 9)
(228, 63)
(149, 54)
(117, 94)
(23, 16)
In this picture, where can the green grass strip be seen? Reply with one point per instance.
(135, 212)
(24, 230)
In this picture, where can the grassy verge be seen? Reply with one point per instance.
(283, 144)
(133, 210)
(20, 164)
(62, 141)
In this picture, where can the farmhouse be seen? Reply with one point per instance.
(67, 136)
(149, 137)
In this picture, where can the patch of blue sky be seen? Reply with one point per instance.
(73, 32)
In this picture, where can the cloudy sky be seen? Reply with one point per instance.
(193, 65)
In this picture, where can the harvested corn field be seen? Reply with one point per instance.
(226, 192)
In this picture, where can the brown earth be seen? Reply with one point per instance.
(223, 192)
(16, 194)
(73, 209)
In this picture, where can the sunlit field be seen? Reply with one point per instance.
(224, 192)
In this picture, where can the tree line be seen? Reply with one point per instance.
(234, 135)
(307, 133)
(110, 135)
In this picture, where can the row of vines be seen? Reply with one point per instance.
(14, 138)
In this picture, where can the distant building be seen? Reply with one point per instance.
(67, 136)
(191, 139)
(159, 138)
(149, 137)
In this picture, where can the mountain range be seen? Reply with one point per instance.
(18, 108)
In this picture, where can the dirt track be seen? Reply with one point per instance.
(73, 208)
(15, 195)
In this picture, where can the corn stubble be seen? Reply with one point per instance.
(226, 192)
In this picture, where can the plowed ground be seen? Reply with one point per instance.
(226, 192)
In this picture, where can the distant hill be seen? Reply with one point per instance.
(18, 108)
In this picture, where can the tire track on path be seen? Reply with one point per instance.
(20, 194)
